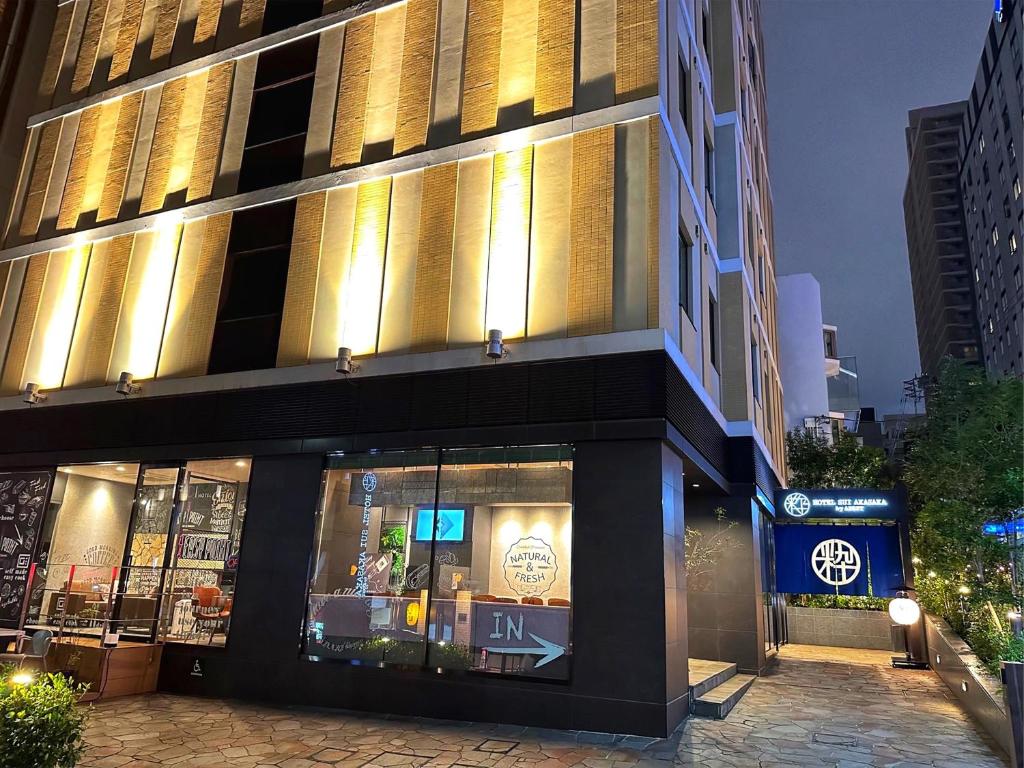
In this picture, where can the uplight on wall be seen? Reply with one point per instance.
(496, 348)
(344, 364)
(33, 394)
(126, 385)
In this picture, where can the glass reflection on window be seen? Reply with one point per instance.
(466, 565)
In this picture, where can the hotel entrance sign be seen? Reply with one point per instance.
(839, 504)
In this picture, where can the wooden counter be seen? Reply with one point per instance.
(127, 669)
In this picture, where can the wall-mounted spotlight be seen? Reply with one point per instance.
(126, 385)
(496, 348)
(33, 394)
(344, 362)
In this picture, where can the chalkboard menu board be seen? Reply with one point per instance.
(22, 503)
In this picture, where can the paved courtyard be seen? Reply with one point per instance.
(819, 707)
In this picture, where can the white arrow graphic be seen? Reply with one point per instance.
(550, 651)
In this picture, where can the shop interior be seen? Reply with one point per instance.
(419, 565)
(147, 552)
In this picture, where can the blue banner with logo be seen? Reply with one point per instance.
(838, 559)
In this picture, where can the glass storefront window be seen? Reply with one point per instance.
(468, 551)
(148, 551)
(81, 547)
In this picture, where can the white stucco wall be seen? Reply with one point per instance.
(801, 349)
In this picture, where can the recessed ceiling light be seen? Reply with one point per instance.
(120, 468)
(695, 485)
(241, 463)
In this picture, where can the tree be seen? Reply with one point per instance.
(966, 468)
(816, 462)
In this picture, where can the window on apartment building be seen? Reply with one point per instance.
(1016, 187)
(981, 143)
(752, 61)
(766, 392)
(709, 169)
(684, 93)
(1017, 278)
(984, 172)
(755, 369)
(245, 336)
(761, 278)
(713, 330)
(995, 234)
(275, 141)
(1012, 240)
(685, 274)
(705, 33)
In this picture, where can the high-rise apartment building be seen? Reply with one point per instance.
(991, 135)
(254, 252)
(939, 260)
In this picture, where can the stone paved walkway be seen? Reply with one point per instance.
(811, 711)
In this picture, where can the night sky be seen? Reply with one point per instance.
(841, 76)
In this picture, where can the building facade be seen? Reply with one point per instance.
(214, 196)
(989, 148)
(822, 387)
(936, 239)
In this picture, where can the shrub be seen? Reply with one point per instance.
(41, 723)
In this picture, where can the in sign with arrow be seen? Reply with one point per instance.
(545, 648)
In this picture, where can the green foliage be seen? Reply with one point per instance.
(41, 723)
(393, 540)
(815, 462)
(965, 468)
(847, 602)
(447, 656)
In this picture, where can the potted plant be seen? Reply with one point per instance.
(41, 723)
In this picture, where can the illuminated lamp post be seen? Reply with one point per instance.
(906, 612)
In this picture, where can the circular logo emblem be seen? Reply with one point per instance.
(835, 562)
(796, 505)
(369, 482)
(530, 567)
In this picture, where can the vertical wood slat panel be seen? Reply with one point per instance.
(101, 304)
(161, 154)
(12, 284)
(395, 333)
(163, 34)
(211, 131)
(102, 150)
(300, 290)
(361, 302)
(86, 61)
(55, 53)
(250, 21)
(317, 154)
(76, 30)
(353, 87)
(207, 21)
(24, 323)
(40, 178)
(469, 259)
(74, 190)
(107, 47)
(550, 240)
(653, 213)
(188, 335)
(556, 39)
(120, 157)
(127, 35)
(636, 49)
(483, 57)
(59, 173)
(432, 290)
(593, 203)
(334, 272)
(237, 121)
(414, 96)
(188, 134)
(508, 260)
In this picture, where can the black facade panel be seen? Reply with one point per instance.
(439, 401)
(562, 391)
(497, 395)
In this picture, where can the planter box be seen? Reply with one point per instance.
(964, 674)
(842, 627)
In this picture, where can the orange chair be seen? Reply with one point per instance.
(484, 598)
(559, 601)
(211, 611)
(532, 601)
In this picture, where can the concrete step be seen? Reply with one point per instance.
(705, 675)
(719, 701)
